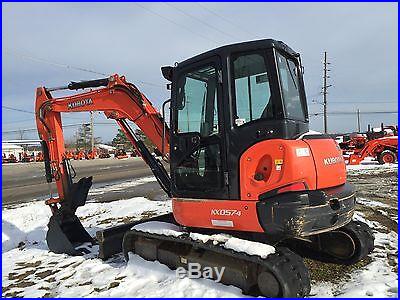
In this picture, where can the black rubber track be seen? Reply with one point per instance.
(363, 238)
(292, 274)
(360, 233)
(287, 268)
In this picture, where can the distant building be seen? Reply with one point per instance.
(105, 147)
(7, 149)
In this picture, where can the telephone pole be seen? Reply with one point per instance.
(91, 131)
(325, 91)
(358, 121)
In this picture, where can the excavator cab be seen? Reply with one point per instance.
(223, 102)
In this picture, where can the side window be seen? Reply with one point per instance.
(199, 168)
(252, 90)
(197, 102)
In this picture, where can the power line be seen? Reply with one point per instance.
(31, 112)
(40, 60)
(17, 109)
(352, 113)
(225, 19)
(34, 129)
(17, 121)
(200, 20)
(175, 23)
(64, 126)
(355, 102)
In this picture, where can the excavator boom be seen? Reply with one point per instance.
(118, 100)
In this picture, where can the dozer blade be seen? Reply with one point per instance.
(67, 235)
(110, 239)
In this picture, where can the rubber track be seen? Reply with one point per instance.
(360, 233)
(291, 272)
(287, 267)
(363, 238)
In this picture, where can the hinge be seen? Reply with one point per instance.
(226, 177)
(219, 76)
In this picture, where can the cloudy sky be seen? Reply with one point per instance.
(48, 43)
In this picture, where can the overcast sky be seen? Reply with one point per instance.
(135, 39)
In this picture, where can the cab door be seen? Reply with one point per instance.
(198, 162)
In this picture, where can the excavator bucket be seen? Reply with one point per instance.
(66, 233)
(67, 236)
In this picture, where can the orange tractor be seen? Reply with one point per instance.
(120, 152)
(91, 154)
(240, 163)
(39, 157)
(380, 144)
(11, 159)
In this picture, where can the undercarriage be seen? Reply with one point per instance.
(278, 274)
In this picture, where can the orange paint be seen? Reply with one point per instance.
(229, 214)
(279, 165)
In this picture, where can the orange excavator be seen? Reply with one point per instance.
(241, 163)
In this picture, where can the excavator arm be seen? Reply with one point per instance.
(118, 100)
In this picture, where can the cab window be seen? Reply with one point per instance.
(252, 89)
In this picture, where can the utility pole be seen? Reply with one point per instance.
(325, 91)
(91, 130)
(358, 121)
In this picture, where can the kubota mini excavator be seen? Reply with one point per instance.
(241, 163)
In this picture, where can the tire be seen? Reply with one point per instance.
(387, 156)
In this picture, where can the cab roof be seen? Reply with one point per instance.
(226, 50)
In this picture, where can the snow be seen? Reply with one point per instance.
(120, 186)
(9, 146)
(249, 247)
(375, 280)
(238, 245)
(30, 270)
(159, 228)
(32, 226)
(371, 166)
(229, 242)
(310, 132)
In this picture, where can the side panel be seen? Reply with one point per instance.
(276, 163)
(329, 162)
(217, 214)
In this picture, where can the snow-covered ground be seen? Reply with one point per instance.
(30, 270)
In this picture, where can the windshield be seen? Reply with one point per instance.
(290, 88)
